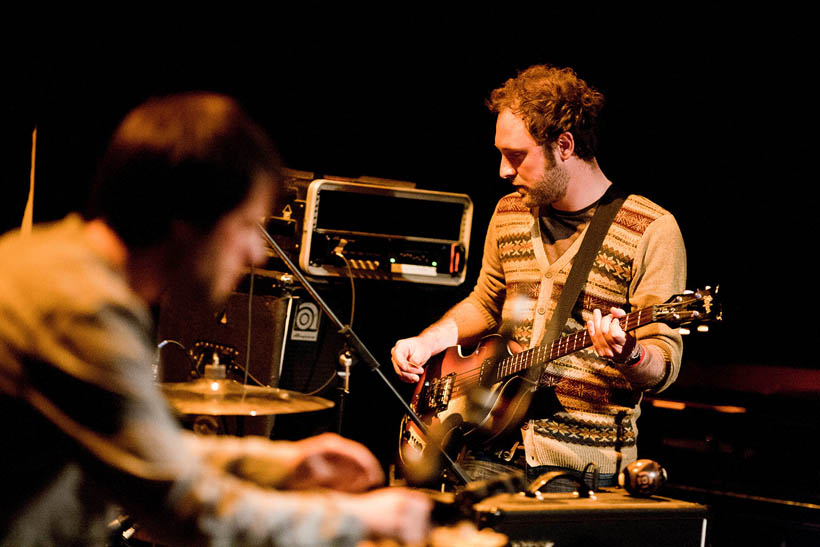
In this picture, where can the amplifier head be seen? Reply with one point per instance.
(385, 232)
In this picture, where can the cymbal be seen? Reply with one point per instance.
(221, 397)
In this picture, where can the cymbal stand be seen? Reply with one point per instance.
(345, 363)
(355, 344)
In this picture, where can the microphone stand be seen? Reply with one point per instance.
(355, 344)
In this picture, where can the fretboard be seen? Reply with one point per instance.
(541, 355)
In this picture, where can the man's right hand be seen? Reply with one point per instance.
(409, 356)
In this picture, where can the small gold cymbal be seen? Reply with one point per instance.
(222, 397)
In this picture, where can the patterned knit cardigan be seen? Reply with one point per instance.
(641, 262)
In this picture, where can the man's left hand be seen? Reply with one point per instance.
(323, 461)
(609, 339)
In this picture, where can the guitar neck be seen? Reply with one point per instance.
(541, 355)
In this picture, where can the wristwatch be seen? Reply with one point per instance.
(633, 359)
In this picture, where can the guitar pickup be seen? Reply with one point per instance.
(438, 393)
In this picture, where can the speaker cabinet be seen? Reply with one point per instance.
(283, 337)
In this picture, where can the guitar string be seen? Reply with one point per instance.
(519, 361)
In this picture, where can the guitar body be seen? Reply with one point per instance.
(441, 398)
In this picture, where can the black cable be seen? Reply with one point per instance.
(352, 286)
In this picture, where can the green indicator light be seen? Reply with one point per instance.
(392, 260)
(435, 263)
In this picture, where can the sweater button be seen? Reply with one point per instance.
(541, 311)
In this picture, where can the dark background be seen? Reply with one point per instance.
(710, 113)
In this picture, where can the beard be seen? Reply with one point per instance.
(551, 187)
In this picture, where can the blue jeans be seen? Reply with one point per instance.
(568, 485)
(481, 466)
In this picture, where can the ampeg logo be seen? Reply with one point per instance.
(306, 322)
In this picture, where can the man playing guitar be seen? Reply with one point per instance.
(546, 133)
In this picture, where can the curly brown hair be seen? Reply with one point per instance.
(551, 101)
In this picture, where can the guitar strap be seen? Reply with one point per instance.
(608, 206)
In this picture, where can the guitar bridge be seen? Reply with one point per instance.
(437, 393)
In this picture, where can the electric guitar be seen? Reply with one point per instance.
(441, 395)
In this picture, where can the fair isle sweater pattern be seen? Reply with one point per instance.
(522, 274)
(596, 423)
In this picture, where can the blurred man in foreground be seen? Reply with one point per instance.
(182, 186)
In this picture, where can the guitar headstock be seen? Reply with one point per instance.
(698, 306)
